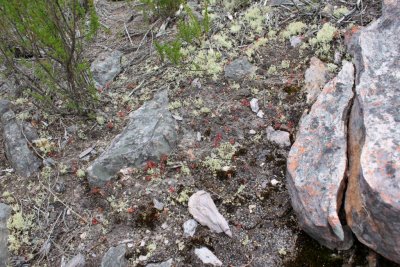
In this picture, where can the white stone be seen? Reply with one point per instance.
(203, 209)
(189, 227)
(207, 257)
(278, 137)
(254, 105)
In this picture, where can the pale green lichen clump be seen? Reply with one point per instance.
(209, 62)
(325, 35)
(255, 17)
(294, 28)
(340, 12)
(19, 226)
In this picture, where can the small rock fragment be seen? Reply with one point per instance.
(203, 209)
(167, 263)
(274, 182)
(295, 41)
(189, 228)
(278, 137)
(115, 257)
(252, 132)
(260, 114)
(196, 83)
(207, 257)
(316, 77)
(157, 204)
(254, 105)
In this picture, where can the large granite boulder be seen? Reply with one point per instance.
(5, 212)
(22, 159)
(106, 67)
(317, 163)
(373, 193)
(150, 133)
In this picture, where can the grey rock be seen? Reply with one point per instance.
(317, 163)
(77, 261)
(29, 132)
(239, 69)
(207, 257)
(150, 133)
(115, 257)
(106, 67)
(73, 129)
(189, 228)
(295, 41)
(49, 162)
(281, 138)
(5, 106)
(372, 197)
(5, 212)
(203, 209)
(315, 78)
(157, 204)
(22, 159)
(167, 263)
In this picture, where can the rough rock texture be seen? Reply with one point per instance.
(239, 69)
(317, 163)
(189, 228)
(115, 257)
(207, 257)
(22, 159)
(167, 263)
(373, 194)
(281, 138)
(315, 78)
(5, 212)
(150, 133)
(106, 67)
(203, 209)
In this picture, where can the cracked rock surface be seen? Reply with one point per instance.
(373, 194)
(317, 163)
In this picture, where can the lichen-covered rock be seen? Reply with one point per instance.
(317, 163)
(106, 67)
(373, 194)
(5, 212)
(150, 133)
(22, 159)
(203, 209)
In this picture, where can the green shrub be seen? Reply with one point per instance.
(164, 8)
(42, 41)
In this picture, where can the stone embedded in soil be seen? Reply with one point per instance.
(281, 138)
(115, 257)
(106, 67)
(77, 261)
(5, 212)
(150, 133)
(315, 78)
(373, 193)
(317, 163)
(254, 105)
(22, 159)
(239, 69)
(203, 209)
(189, 228)
(167, 263)
(207, 257)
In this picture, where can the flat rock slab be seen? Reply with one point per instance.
(373, 195)
(5, 212)
(150, 133)
(22, 159)
(317, 163)
(106, 67)
(239, 69)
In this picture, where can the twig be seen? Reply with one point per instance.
(62, 202)
(137, 87)
(151, 27)
(127, 32)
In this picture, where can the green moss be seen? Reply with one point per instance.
(294, 28)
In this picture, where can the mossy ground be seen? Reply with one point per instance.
(265, 231)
